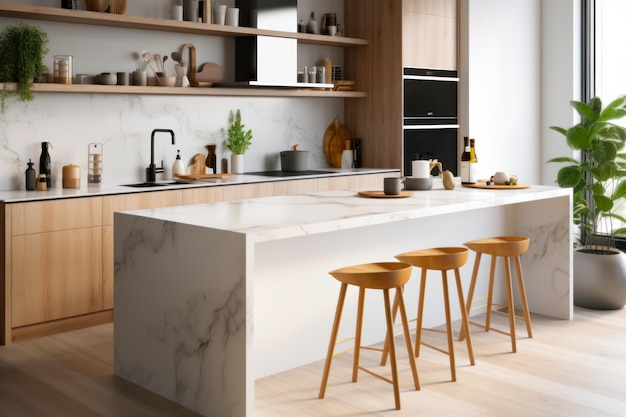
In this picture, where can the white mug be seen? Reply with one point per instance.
(219, 14)
(420, 169)
(232, 16)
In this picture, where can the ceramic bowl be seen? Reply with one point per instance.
(418, 184)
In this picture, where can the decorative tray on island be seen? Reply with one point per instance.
(486, 185)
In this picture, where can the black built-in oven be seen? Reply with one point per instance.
(430, 117)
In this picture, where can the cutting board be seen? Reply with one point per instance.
(334, 142)
(198, 165)
(201, 176)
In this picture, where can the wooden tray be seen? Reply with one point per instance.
(482, 184)
(200, 176)
(381, 194)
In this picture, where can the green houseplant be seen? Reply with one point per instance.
(238, 142)
(22, 51)
(598, 182)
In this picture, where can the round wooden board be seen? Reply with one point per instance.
(381, 194)
(334, 142)
(483, 186)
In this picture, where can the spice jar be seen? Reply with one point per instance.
(41, 183)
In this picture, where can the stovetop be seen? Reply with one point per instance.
(287, 173)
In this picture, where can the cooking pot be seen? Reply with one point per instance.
(294, 160)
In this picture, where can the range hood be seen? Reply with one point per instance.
(268, 61)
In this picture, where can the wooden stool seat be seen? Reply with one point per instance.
(440, 259)
(505, 247)
(376, 276)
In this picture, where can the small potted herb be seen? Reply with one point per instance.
(22, 51)
(238, 142)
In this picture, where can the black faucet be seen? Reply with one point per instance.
(152, 170)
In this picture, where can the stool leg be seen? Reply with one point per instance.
(522, 290)
(492, 274)
(333, 339)
(392, 349)
(446, 303)
(470, 294)
(357, 340)
(407, 336)
(464, 316)
(394, 312)
(510, 303)
(420, 313)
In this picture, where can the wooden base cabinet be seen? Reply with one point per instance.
(57, 256)
(56, 275)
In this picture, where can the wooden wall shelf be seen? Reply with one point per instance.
(188, 91)
(53, 14)
(163, 25)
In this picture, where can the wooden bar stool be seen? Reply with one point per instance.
(440, 259)
(505, 247)
(380, 276)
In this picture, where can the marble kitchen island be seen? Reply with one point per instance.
(209, 298)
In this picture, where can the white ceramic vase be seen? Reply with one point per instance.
(236, 163)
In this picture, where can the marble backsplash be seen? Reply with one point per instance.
(124, 123)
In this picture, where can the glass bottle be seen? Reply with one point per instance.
(473, 165)
(465, 162)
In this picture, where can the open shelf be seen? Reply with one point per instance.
(187, 91)
(164, 25)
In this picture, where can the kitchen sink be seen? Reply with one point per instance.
(149, 184)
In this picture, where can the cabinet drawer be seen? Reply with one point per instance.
(49, 216)
(56, 275)
(126, 202)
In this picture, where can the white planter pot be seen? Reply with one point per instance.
(236, 163)
(600, 280)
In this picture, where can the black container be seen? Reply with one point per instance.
(45, 163)
(31, 180)
(68, 4)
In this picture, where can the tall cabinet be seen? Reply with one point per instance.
(427, 39)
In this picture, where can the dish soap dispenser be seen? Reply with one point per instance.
(178, 168)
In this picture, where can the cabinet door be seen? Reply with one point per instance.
(54, 215)
(429, 34)
(56, 275)
(295, 187)
(203, 195)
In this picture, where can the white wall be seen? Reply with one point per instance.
(503, 85)
(123, 123)
(520, 68)
(561, 74)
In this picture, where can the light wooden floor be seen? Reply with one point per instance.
(570, 368)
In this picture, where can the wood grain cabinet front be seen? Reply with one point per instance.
(56, 275)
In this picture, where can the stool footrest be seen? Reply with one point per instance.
(438, 349)
(375, 374)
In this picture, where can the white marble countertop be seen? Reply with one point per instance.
(271, 218)
(20, 196)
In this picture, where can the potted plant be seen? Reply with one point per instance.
(22, 51)
(598, 181)
(238, 142)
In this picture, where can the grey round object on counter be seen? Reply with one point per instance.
(418, 184)
(294, 160)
